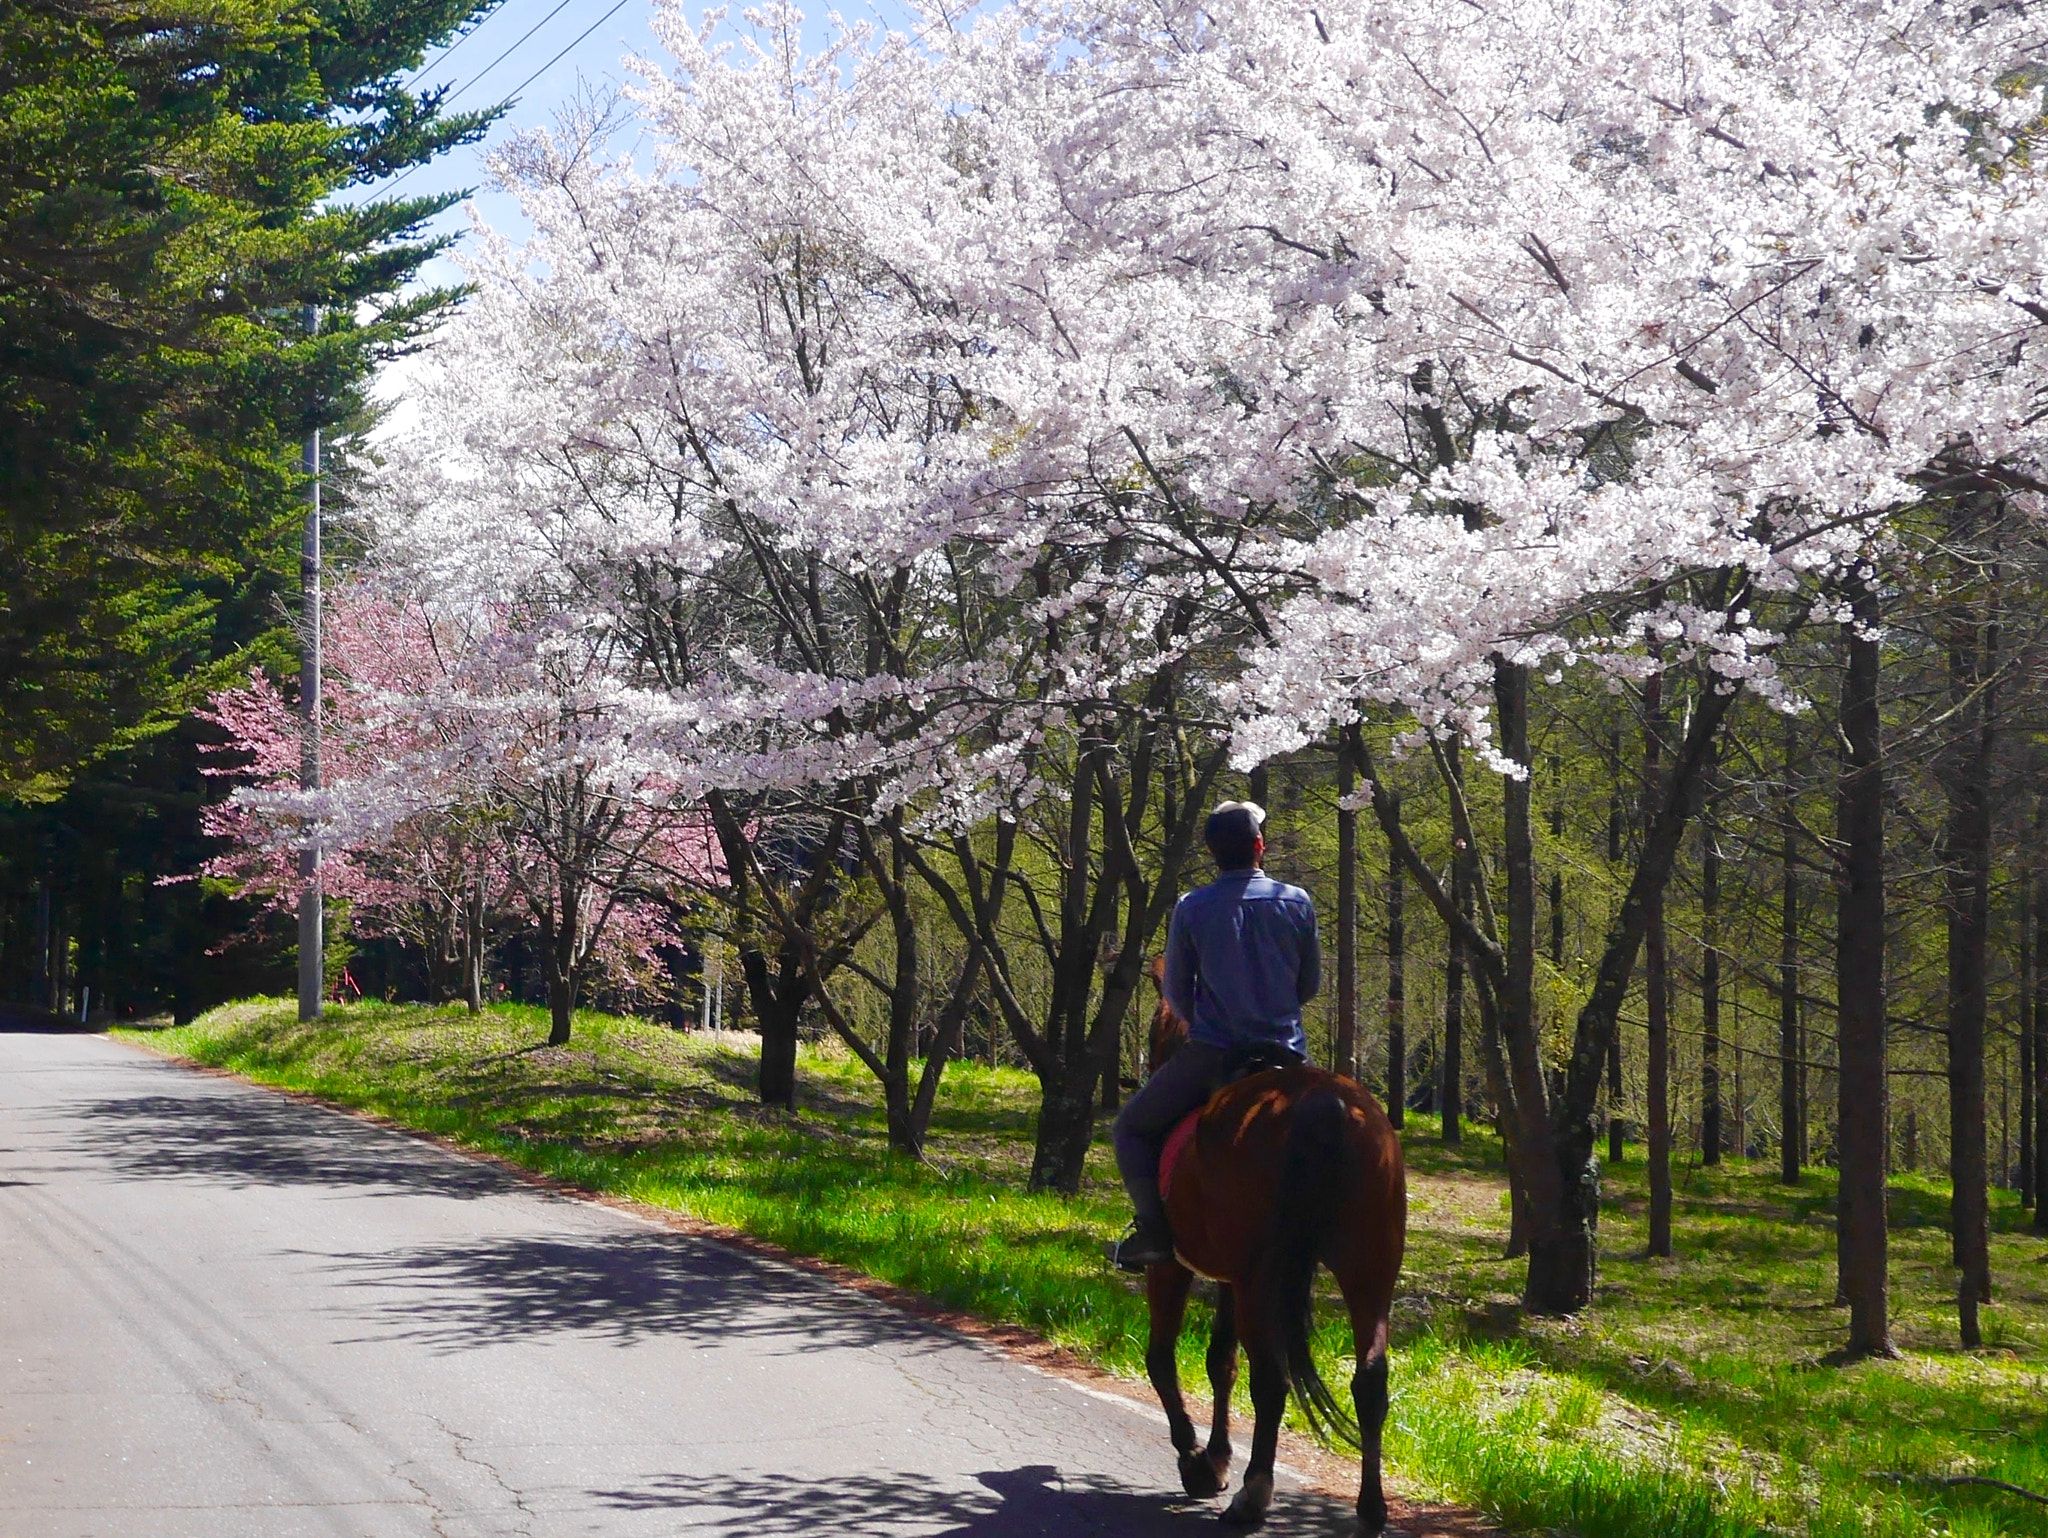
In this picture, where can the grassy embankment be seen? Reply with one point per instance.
(1696, 1399)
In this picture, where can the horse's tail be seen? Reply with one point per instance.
(1312, 1177)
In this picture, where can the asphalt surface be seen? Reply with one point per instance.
(224, 1312)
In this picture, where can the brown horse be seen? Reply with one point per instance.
(1286, 1168)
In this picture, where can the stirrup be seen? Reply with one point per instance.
(1139, 1251)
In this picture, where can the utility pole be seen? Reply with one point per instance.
(312, 933)
(1344, 1054)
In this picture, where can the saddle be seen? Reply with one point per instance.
(1255, 1060)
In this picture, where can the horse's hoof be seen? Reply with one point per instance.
(1198, 1476)
(1370, 1526)
(1249, 1509)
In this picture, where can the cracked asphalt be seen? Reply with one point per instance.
(224, 1312)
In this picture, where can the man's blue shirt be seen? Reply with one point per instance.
(1241, 959)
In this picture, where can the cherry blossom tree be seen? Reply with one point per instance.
(1549, 307)
(474, 778)
(995, 423)
(434, 877)
(783, 512)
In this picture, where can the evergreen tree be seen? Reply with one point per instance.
(175, 204)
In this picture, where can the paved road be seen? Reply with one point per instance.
(223, 1312)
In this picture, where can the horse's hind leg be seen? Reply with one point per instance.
(1166, 1291)
(1269, 1407)
(1368, 1306)
(1222, 1379)
(1369, 1400)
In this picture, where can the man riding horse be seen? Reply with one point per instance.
(1277, 1170)
(1241, 959)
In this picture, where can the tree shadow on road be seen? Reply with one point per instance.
(262, 1140)
(618, 1287)
(1037, 1501)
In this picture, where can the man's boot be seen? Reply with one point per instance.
(1149, 1239)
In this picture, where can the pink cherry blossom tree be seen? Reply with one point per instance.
(456, 802)
(432, 877)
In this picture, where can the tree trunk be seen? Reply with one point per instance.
(1068, 1054)
(1791, 1098)
(2003, 1176)
(1563, 1250)
(1344, 1049)
(903, 1137)
(1464, 860)
(779, 991)
(1451, 1063)
(1805, 1065)
(561, 946)
(60, 969)
(475, 904)
(892, 876)
(1066, 1126)
(1617, 1123)
(561, 995)
(1504, 1127)
(1557, 868)
(1066, 1117)
(1740, 1142)
(1560, 1216)
(1863, 1241)
(1967, 859)
(439, 950)
(1397, 986)
(2025, 1033)
(43, 953)
(2038, 879)
(1710, 996)
(1657, 988)
(776, 1084)
(1563, 1184)
(1617, 1118)
(1518, 1219)
(1514, 1019)
(1656, 985)
(1105, 897)
(778, 995)
(946, 1038)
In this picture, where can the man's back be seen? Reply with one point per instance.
(1241, 959)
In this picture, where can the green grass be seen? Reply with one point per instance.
(1697, 1399)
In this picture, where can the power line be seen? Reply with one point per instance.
(501, 58)
(529, 80)
(442, 57)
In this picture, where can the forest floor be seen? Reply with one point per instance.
(1700, 1396)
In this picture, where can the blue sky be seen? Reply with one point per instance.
(518, 41)
(512, 54)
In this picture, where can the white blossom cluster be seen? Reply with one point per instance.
(929, 395)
